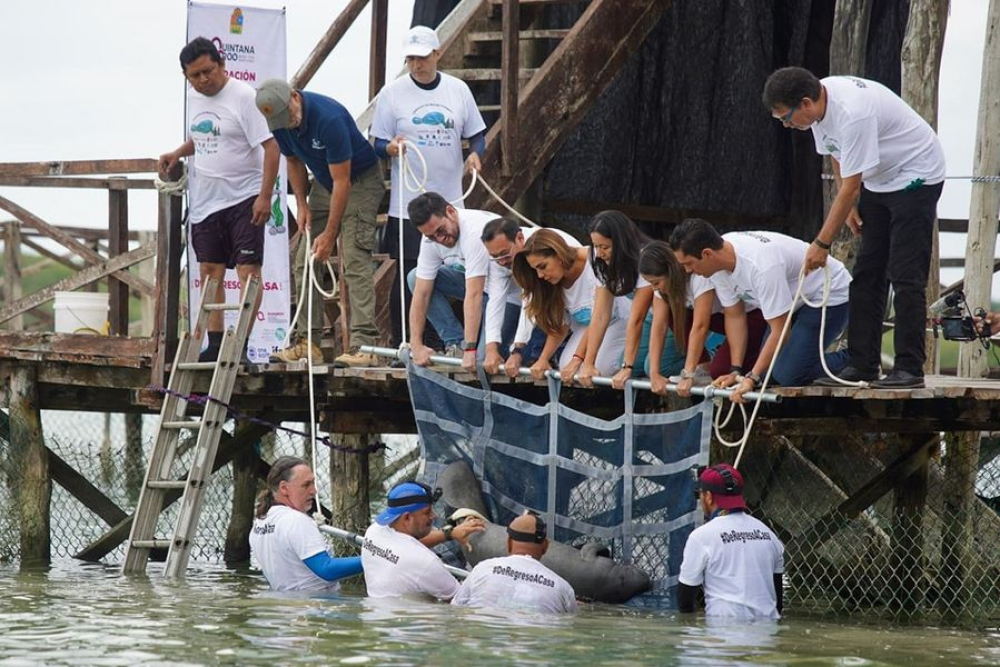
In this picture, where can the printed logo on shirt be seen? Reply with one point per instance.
(379, 552)
(757, 237)
(205, 132)
(517, 575)
(857, 82)
(265, 529)
(317, 146)
(744, 536)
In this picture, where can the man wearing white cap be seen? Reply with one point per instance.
(395, 553)
(317, 132)
(436, 112)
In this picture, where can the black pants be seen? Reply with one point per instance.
(896, 242)
(389, 244)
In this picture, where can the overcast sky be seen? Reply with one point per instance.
(100, 79)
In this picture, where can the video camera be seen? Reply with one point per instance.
(947, 313)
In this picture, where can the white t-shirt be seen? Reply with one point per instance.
(397, 564)
(696, 286)
(516, 582)
(436, 121)
(502, 289)
(579, 301)
(872, 132)
(469, 254)
(767, 274)
(280, 542)
(228, 162)
(735, 558)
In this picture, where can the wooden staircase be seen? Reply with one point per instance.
(561, 71)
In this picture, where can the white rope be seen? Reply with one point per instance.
(417, 184)
(177, 187)
(749, 423)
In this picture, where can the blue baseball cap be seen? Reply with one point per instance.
(407, 497)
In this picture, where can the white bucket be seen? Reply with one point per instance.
(81, 312)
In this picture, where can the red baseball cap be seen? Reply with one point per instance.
(725, 484)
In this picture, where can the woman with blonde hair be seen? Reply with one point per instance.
(558, 285)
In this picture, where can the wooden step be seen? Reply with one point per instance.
(497, 3)
(485, 74)
(523, 35)
(490, 108)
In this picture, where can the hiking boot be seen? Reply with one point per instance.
(355, 358)
(298, 352)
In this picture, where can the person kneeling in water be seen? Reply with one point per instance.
(286, 541)
(519, 580)
(395, 554)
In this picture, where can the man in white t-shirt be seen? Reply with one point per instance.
(889, 167)
(520, 580)
(232, 172)
(396, 551)
(285, 540)
(761, 270)
(453, 264)
(436, 112)
(504, 238)
(737, 559)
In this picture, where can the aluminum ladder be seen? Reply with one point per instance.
(158, 485)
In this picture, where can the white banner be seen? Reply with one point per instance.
(252, 42)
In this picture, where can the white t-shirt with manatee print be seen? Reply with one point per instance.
(766, 275)
(468, 256)
(228, 163)
(398, 565)
(280, 542)
(436, 121)
(872, 132)
(696, 286)
(516, 582)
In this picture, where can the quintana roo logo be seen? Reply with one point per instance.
(276, 225)
(236, 22)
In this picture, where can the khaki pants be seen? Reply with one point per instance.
(357, 234)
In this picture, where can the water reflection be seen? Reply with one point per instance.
(84, 614)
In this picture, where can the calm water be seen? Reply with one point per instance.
(77, 614)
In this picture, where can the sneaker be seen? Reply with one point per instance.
(209, 354)
(454, 351)
(355, 358)
(297, 353)
(899, 380)
(849, 374)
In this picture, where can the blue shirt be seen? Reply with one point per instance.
(327, 135)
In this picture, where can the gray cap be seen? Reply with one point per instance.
(272, 100)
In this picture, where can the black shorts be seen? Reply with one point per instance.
(229, 237)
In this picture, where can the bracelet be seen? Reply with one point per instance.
(627, 366)
(686, 374)
(821, 244)
(738, 370)
(753, 377)
(577, 356)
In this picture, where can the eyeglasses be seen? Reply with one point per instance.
(439, 234)
(505, 258)
(787, 118)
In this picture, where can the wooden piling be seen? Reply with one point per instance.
(34, 488)
(349, 473)
(237, 547)
(908, 562)
(135, 468)
(12, 289)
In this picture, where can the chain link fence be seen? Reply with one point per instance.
(893, 560)
(111, 454)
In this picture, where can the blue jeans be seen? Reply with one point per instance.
(798, 361)
(450, 284)
(672, 360)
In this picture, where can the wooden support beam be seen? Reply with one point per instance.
(33, 490)
(54, 233)
(245, 470)
(84, 277)
(376, 57)
(168, 285)
(907, 561)
(566, 86)
(117, 244)
(82, 350)
(229, 446)
(327, 43)
(509, 86)
(78, 167)
(958, 550)
(78, 182)
(497, 36)
(830, 524)
(12, 270)
(80, 488)
(349, 477)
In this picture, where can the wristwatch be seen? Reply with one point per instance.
(447, 531)
(686, 374)
(469, 345)
(753, 377)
